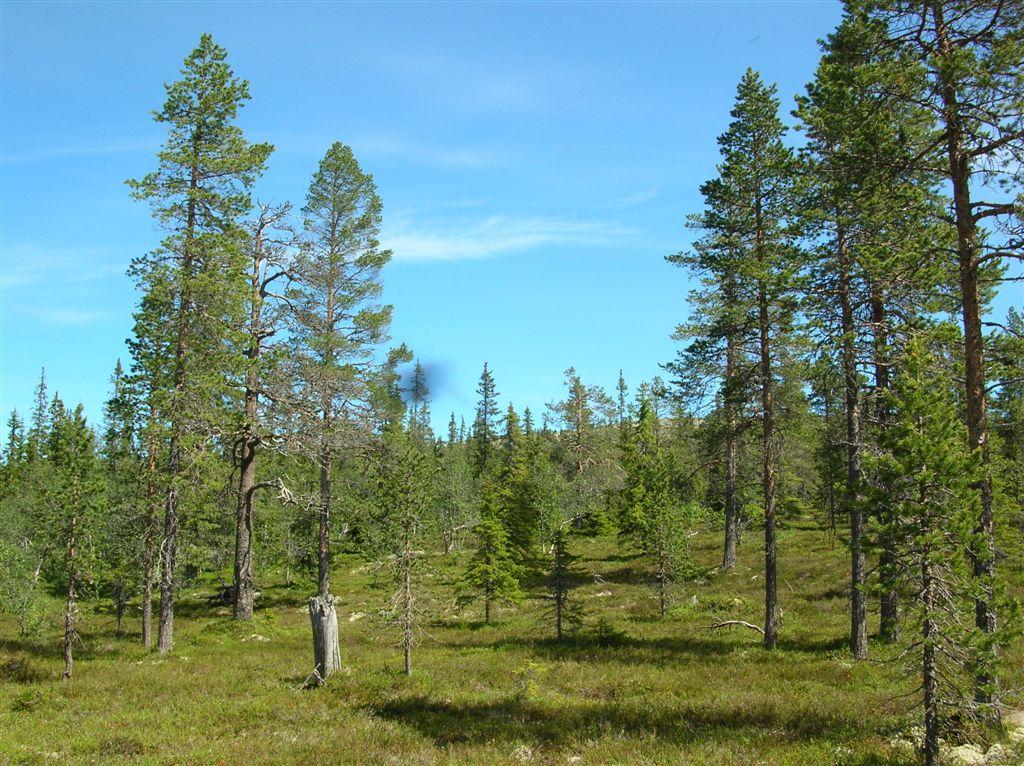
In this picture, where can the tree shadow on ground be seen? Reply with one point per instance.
(89, 645)
(447, 722)
(618, 647)
(831, 593)
(816, 644)
(615, 647)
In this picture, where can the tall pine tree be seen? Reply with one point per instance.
(191, 283)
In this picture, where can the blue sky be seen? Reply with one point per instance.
(536, 163)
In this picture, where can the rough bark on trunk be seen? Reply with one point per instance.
(851, 402)
(768, 474)
(244, 517)
(326, 652)
(244, 587)
(168, 559)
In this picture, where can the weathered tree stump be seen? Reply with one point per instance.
(326, 654)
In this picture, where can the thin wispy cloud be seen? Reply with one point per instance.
(496, 236)
(468, 84)
(636, 198)
(58, 285)
(391, 146)
(65, 316)
(425, 154)
(53, 151)
(405, 212)
(27, 265)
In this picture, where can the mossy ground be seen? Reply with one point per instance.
(630, 689)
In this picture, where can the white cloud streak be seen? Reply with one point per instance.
(496, 236)
(391, 146)
(637, 198)
(445, 157)
(41, 154)
(57, 286)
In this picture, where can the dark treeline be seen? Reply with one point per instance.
(837, 362)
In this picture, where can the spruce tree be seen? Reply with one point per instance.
(404, 495)
(650, 515)
(419, 405)
(510, 486)
(122, 519)
(22, 534)
(621, 392)
(562, 580)
(75, 496)
(453, 430)
(39, 423)
(14, 452)
(492, 575)
(485, 423)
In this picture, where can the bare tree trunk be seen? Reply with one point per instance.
(851, 391)
(731, 460)
(983, 556)
(244, 516)
(323, 576)
(326, 652)
(69, 607)
(168, 559)
(149, 544)
(768, 474)
(257, 333)
(889, 599)
(120, 605)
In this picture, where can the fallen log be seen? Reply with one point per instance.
(741, 623)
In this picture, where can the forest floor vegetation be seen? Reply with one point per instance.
(628, 688)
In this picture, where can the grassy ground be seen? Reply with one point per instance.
(632, 689)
